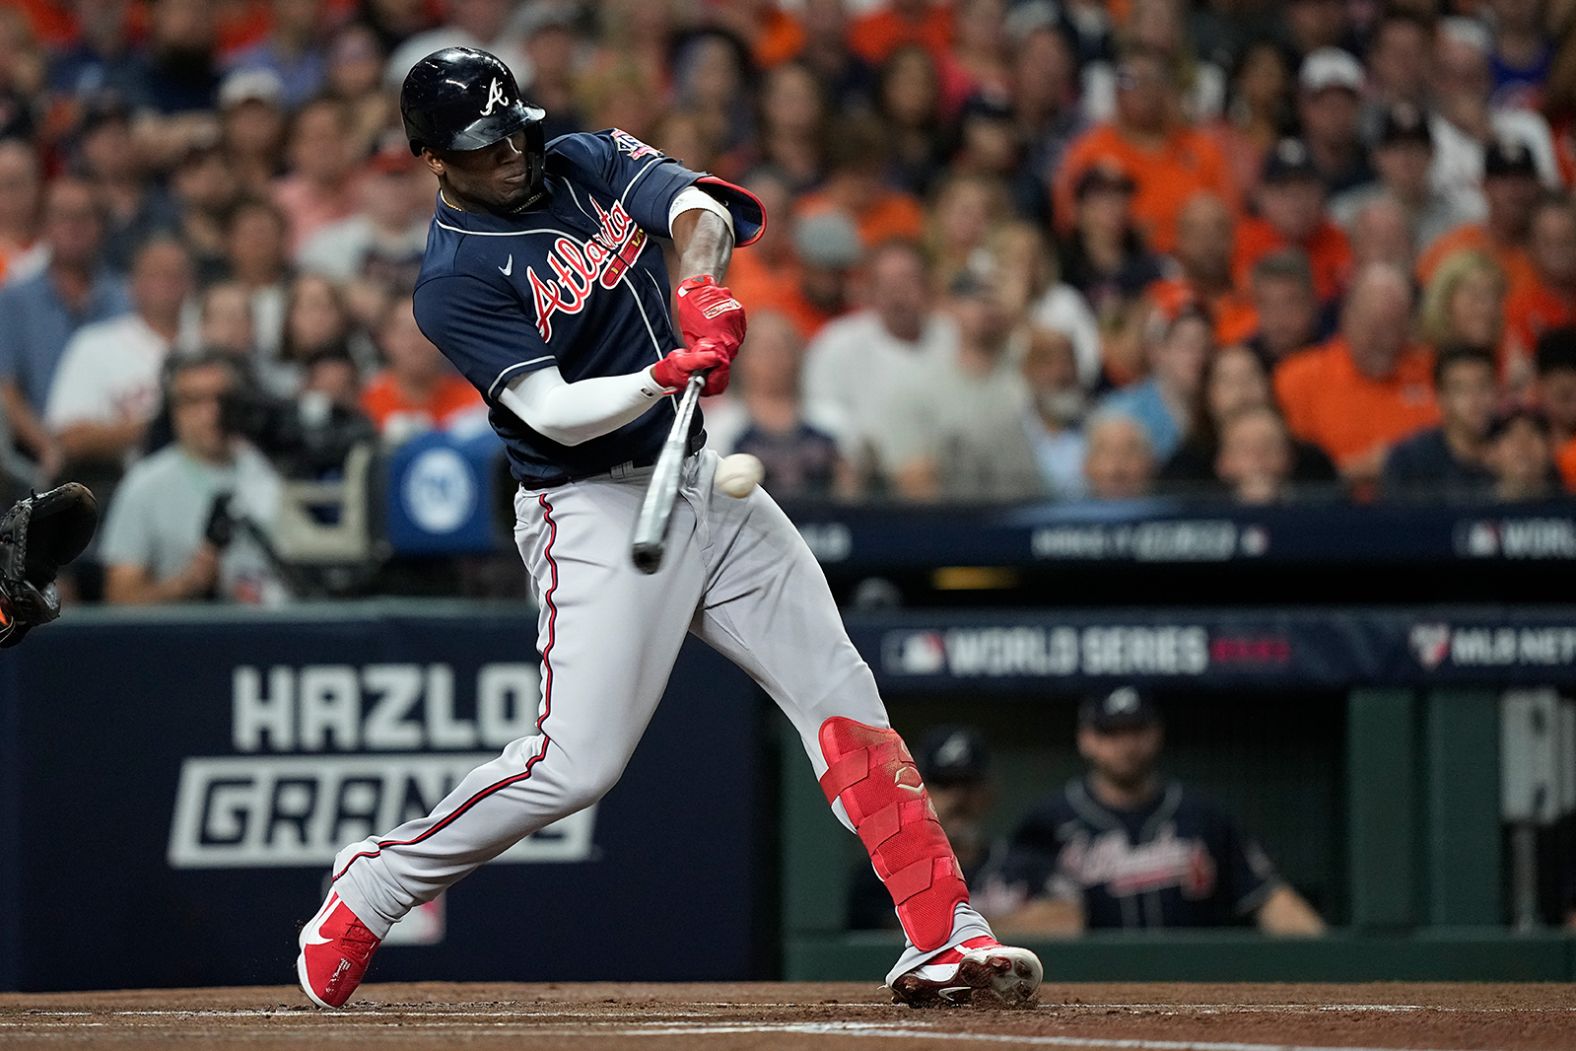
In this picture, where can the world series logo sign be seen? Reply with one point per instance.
(327, 754)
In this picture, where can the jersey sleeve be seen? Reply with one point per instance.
(646, 180)
(481, 329)
(1247, 876)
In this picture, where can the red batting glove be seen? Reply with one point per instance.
(672, 373)
(708, 310)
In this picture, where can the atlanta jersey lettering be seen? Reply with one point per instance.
(574, 282)
(1176, 862)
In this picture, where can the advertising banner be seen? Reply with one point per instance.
(175, 789)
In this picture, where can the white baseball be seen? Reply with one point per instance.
(739, 474)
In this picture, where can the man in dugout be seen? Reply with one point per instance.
(1122, 848)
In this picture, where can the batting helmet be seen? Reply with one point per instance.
(461, 98)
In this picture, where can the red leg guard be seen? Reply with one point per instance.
(871, 771)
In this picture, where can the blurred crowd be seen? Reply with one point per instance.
(1018, 248)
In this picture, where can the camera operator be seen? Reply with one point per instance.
(180, 527)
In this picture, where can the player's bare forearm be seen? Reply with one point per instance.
(1286, 914)
(704, 243)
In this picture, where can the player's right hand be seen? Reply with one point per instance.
(674, 371)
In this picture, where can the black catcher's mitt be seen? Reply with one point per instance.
(38, 536)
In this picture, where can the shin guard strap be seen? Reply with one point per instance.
(872, 773)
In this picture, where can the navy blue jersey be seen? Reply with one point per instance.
(574, 282)
(1177, 861)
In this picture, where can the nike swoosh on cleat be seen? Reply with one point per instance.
(509, 268)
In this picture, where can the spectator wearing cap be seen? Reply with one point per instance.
(800, 455)
(964, 211)
(252, 123)
(1122, 848)
(386, 237)
(1202, 271)
(1106, 260)
(1163, 27)
(39, 314)
(1369, 386)
(1054, 417)
(856, 159)
(955, 763)
(1167, 159)
(1330, 85)
(1521, 455)
(1549, 300)
(1286, 306)
(292, 50)
(1178, 346)
(1554, 393)
(1466, 122)
(1402, 158)
(888, 344)
(959, 434)
(1119, 463)
(324, 184)
(418, 389)
(988, 145)
(133, 207)
(106, 388)
(1235, 381)
(1510, 186)
(1291, 215)
(22, 254)
(491, 25)
(1449, 460)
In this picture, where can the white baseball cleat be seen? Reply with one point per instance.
(980, 971)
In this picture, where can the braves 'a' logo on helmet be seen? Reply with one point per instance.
(495, 97)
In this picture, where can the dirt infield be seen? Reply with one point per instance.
(805, 1016)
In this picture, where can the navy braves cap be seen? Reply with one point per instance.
(1289, 161)
(952, 755)
(1123, 708)
(1509, 157)
(1405, 122)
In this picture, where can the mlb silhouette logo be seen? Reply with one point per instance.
(1430, 644)
(915, 653)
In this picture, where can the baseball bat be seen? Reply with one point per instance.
(656, 512)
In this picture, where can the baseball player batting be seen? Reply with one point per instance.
(542, 285)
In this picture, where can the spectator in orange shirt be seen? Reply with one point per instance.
(1206, 232)
(1358, 393)
(1168, 160)
(418, 390)
(856, 160)
(1330, 85)
(1550, 301)
(1511, 188)
(1555, 394)
(1291, 215)
(898, 23)
(1286, 306)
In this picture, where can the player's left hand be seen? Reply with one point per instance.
(708, 311)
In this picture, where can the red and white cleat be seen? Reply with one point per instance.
(980, 971)
(335, 950)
